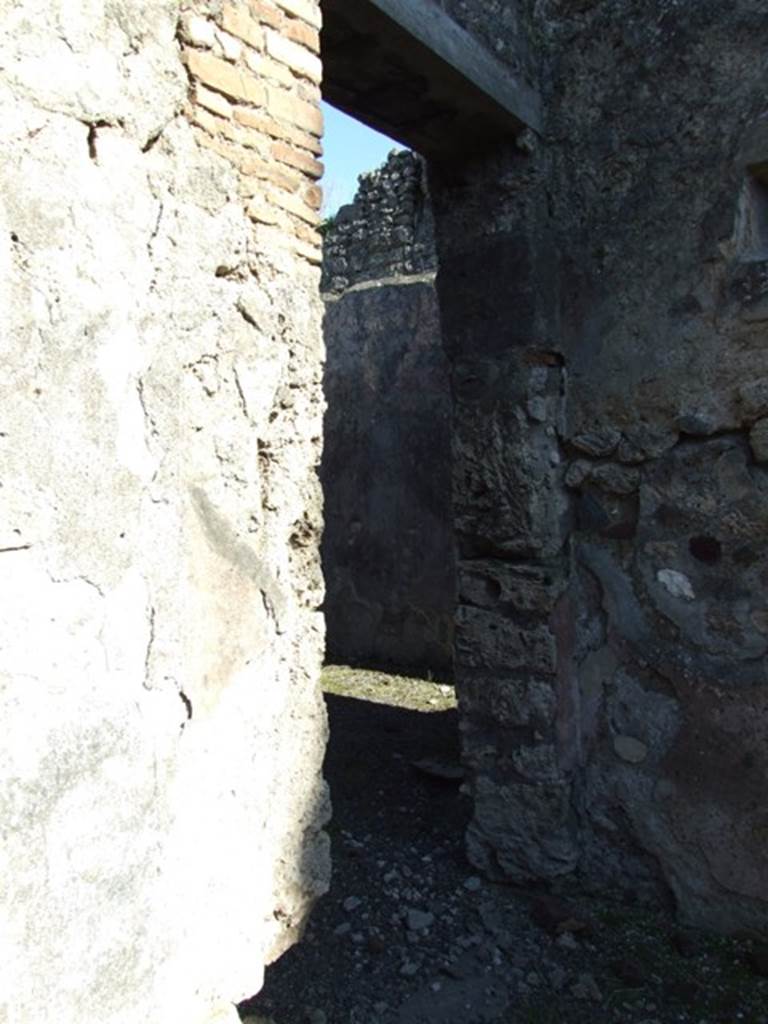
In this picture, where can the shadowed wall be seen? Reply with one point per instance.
(388, 547)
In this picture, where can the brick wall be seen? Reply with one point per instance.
(255, 73)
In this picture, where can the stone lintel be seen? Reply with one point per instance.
(408, 69)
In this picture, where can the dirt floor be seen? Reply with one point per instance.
(409, 934)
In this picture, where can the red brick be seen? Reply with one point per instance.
(293, 204)
(299, 32)
(203, 119)
(235, 21)
(246, 161)
(313, 196)
(295, 158)
(313, 254)
(264, 123)
(262, 212)
(229, 153)
(266, 13)
(270, 70)
(260, 171)
(212, 101)
(307, 10)
(311, 250)
(295, 111)
(307, 234)
(298, 58)
(224, 78)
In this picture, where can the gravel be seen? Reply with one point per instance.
(409, 935)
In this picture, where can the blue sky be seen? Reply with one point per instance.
(349, 149)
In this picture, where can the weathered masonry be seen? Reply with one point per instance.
(161, 799)
(598, 180)
(603, 301)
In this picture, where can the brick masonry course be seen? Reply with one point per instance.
(254, 72)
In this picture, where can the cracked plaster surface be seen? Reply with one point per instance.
(160, 636)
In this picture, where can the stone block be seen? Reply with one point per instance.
(753, 399)
(511, 701)
(630, 749)
(758, 440)
(198, 31)
(485, 640)
(522, 831)
(536, 763)
(598, 444)
(491, 584)
(615, 479)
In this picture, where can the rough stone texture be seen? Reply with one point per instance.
(758, 440)
(388, 542)
(503, 28)
(608, 366)
(604, 297)
(161, 799)
(387, 232)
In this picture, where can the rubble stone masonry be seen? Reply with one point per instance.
(602, 292)
(603, 301)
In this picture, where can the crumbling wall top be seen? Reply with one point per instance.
(386, 232)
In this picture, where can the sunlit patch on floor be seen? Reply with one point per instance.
(384, 688)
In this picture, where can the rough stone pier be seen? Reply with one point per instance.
(598, 184)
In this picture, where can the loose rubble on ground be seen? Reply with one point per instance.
(410, 934)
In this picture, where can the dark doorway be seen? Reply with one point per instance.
(388, 554)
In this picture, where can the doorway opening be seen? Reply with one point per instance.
(403, 891)
(388, 547)
(393, 763)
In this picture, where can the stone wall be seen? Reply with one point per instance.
(160, 789)
(609, 371)
(603, 291)
(387, 232)
(388, 544)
